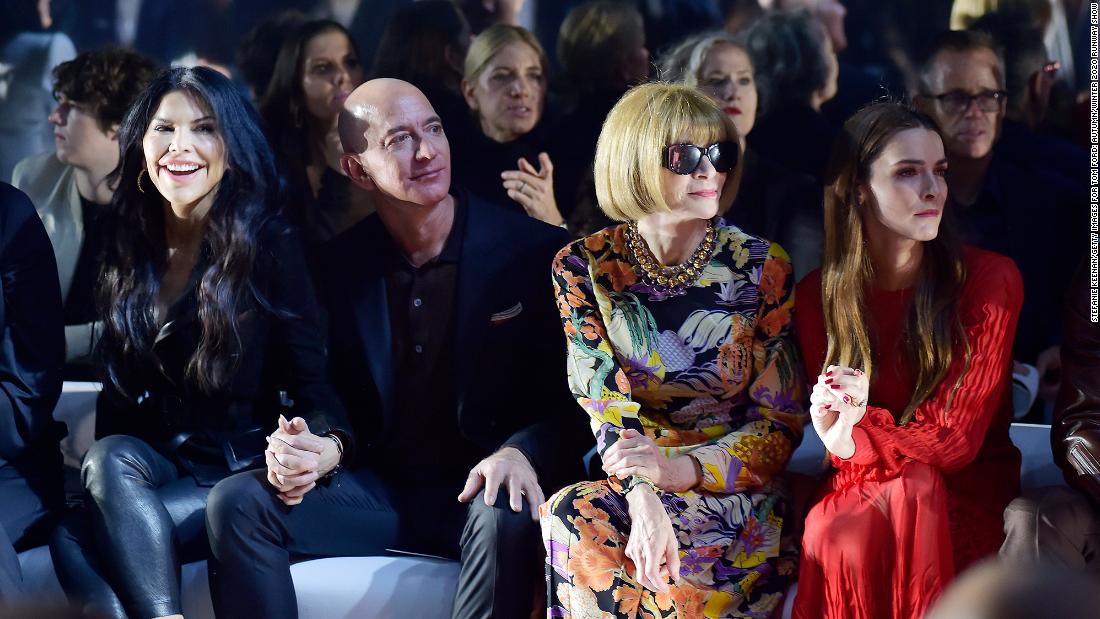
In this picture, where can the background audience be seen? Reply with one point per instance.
(772, 201)
(1007, 91)
(425, 44)
(502, 156)
(317, 68)
(995, 197)
(797, 73)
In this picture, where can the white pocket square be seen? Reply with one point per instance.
(507, 314)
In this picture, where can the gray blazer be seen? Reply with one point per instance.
(51, 186)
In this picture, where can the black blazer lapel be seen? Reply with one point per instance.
(372, 316)
(473, 303)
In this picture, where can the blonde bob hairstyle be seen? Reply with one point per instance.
(628, 167)
(492, 40)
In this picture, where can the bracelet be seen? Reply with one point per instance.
(340, 449)
(339, 445)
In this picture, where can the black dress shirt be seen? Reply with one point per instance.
(421, 304)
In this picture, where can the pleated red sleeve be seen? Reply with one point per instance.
(950, 439)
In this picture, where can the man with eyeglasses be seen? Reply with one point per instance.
(1004, 204)
(1029, 77)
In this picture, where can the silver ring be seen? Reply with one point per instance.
(522, 187)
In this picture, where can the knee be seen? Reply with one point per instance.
(237, 504)
(1064, 509)
(560, 505)
(109, 459)
(497, 523)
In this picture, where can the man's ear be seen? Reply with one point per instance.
(112, 132)
(354, 170)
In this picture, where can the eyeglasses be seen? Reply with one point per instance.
(1052, 67)
(685, 158)
(957, 101)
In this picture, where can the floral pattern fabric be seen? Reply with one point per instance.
(712, 373)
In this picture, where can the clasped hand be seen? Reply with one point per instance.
(838, 402)
(297, 458)
(637, 454)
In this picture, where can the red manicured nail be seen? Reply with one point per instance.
(829, 373)
(829, 381)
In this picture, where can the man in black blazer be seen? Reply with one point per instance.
(32, 352)
(446, 346)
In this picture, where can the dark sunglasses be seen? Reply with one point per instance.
(685, 158)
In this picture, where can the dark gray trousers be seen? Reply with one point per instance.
(253, 537)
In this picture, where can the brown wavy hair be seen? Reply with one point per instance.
(933, 331)
(106, 80)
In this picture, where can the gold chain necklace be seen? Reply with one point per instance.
(668, 280)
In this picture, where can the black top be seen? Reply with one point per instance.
(282, 350)
(32, 342)
(477, 161)
(421, 304)
(80, 302)
(781, 205)
(796, 137)
(1036, 219)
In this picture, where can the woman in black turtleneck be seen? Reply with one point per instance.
(501, 154)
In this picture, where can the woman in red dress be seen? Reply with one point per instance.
(911, 334)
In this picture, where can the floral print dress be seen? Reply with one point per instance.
(713, 373)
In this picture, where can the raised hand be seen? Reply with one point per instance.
(838, 402)
(534, 189)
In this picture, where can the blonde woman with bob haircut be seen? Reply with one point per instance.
(911, 335)
(680, 352)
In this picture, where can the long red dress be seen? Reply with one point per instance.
(916, 503)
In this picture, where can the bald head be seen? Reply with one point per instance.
(394, 144)
(367, 104)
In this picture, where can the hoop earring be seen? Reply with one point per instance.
(140, 188)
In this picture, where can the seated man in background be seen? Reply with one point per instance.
(31, 354)
(1003, 204)
(1061, 525)
(69, 186)
(445, 347)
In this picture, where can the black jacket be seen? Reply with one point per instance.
(32, 336)
(509, 347)
(282, 350)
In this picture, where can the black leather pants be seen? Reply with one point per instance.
(120, 556)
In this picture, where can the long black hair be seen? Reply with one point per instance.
(283, 104)
(136, 252)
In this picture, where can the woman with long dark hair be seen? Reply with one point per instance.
(911, 335)
(317, 68)
(209, 323)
